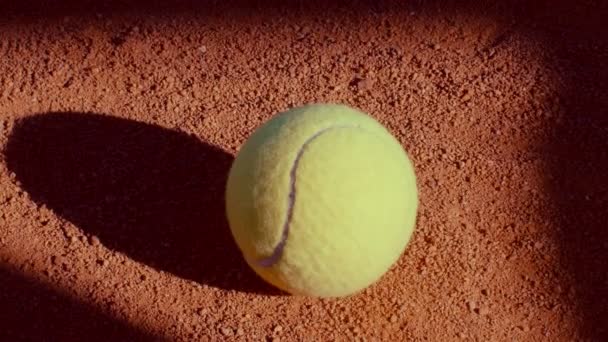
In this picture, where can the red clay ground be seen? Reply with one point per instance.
(119, 120)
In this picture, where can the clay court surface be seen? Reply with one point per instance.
(119, 121)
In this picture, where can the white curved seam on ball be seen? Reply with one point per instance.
(278, 250)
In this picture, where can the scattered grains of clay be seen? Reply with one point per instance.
(224, 76)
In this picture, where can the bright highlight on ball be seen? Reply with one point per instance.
(322, 200)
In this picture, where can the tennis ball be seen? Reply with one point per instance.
(321, 200)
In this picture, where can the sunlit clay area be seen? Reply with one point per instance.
(331, 170)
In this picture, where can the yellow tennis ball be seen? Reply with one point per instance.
(322, 200)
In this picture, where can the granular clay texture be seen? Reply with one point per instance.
(119, 121)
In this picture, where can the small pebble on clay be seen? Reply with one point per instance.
(226, 331)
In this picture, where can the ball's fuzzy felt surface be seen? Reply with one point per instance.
(322, 200)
